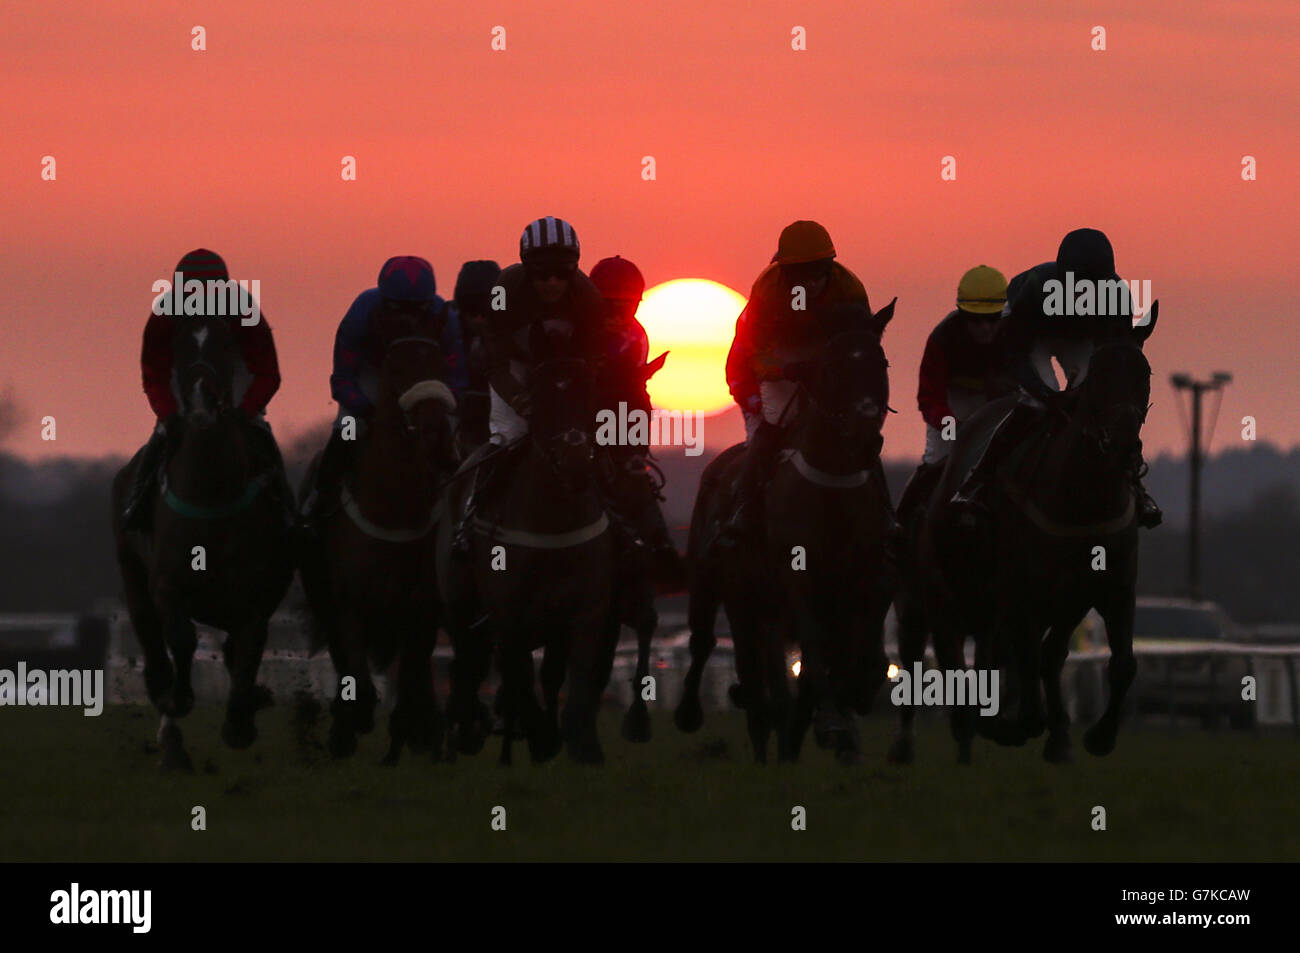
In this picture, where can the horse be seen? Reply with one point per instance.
(540, 574)
(1062, 539)
(370, 578)
(821, 579)
(218, 549)
(634, 592)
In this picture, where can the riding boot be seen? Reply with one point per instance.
(637, 503)
(323, 498)
(267, 455)
(917, 487)
(484, 481)
(893, 531)
(972, 496)
(745, 521)
(145, 477)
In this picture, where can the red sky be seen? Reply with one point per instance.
(160, 149)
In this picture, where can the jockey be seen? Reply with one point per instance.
(1033, 336)
(961, 370)
(406, 283)
(257, 353)
(467, 318)
(788, 309)
(545, 288)
(633, 493)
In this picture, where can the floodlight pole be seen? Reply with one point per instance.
(1198, 389)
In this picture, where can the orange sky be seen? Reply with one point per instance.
(161, 149)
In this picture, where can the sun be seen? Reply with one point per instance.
(694, 319)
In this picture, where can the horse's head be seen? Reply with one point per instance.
(1114, 399)
(563, 418)
(412, 381)
(849, 385)
(204, 352)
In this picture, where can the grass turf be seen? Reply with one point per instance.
(89, 789)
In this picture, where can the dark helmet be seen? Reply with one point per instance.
(617, 279)
(549, 237)
(1087, 253)
(407, 278)
(474, 285)
(202, 265)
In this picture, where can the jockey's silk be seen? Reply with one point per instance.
(769, 333)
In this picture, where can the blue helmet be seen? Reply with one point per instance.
(407, 278)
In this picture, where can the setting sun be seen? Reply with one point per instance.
(694, 319)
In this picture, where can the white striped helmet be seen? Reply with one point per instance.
(548, 235)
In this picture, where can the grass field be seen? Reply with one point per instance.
(89, 789)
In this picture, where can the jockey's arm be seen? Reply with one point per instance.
(500, 352)
(156, 365)
(932, 387)
(257, 348)
(345, 381)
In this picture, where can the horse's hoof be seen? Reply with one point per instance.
(238, 734)
(848, 756)
(586, 754)
(342, 743)
(689, 716)
(176, 759)
(636, 725)
(1058, 749)
(902, 751)
(1099, 741)
(737, 695)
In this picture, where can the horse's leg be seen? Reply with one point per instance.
(595, 637)
(636, 723)
(1017, 637)
(148, 626)
(471, 719)
(555, 660)
(749, 693)
(352, 710)
(1056, 647)
(243, 659)
(174, 756)
(413, 718)
(950, 655)
(1117, 609)
(702, 614)
(912, 627)
(182, 641)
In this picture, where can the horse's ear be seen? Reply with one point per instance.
(655, 366)
(1144, 330)
(883, 317)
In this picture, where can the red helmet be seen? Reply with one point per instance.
(617, 279)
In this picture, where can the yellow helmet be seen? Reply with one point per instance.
(982, 290)
(802, 242)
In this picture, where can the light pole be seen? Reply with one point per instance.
(1198, 388)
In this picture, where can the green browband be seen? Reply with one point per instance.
(195, 511)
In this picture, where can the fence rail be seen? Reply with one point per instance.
(1200, 680)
